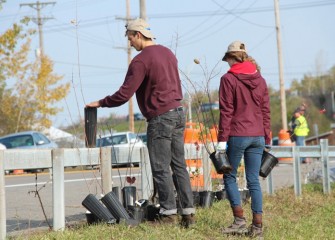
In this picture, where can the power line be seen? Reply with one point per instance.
(242, 11)
(102, 20)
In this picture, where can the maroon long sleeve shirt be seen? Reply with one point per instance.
(153, 75)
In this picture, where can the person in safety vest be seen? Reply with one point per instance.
(301, 130)
(292, 125)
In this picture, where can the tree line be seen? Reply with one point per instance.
(29, 101)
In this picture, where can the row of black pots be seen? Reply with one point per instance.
(145, 211)
(206, 198)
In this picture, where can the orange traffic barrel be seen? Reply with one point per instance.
(192, 133)
(284, 139)
(212, 136)
(196, 172)
(18, 171)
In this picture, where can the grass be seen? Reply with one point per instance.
(310, 216)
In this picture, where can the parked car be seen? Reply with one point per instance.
(143, 137)
(137, 117)
(123, 144)
(27, 140)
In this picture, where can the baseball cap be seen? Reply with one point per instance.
(141, 26)
(236, 46)
(300, 109)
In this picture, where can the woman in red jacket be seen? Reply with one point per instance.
(245, 128)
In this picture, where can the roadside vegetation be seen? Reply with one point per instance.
(310, 216)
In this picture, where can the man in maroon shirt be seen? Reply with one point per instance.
(153, 76)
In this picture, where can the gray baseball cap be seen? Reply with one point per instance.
(236, 46)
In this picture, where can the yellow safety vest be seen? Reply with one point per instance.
(302, 128)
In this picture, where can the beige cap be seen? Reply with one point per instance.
(236, 46)
(141, 26)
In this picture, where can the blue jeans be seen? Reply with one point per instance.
(166, 151)
(300, 141)
(251, 148)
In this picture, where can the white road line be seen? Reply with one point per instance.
(66, 181)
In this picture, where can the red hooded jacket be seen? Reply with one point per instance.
(244, 103)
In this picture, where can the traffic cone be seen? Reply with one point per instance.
(18, 171)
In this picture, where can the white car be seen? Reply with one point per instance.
(125, 147)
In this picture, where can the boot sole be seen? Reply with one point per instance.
(237, 232)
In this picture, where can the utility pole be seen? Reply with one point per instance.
(128, 18)
(131, 108)
(39, 20)
(281, 74)
(143, 10)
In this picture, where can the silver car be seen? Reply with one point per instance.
(126, 147)
(27, 140)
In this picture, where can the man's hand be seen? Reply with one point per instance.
(93, 104)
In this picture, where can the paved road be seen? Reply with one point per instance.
(24, 210)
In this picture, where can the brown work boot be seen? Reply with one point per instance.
(168, 219)
(187, 220)
(239, 225)
(256, 228)
(255, 231)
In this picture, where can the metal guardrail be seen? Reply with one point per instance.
(325, 153)
(59, 158)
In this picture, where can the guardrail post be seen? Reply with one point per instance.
(146, 174)
(325, 165)
(106, 169)
(207, 167)
(269, 184)
(2, 198)
(58, 196)
(297, 171)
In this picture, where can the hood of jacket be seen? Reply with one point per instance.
(247, 73)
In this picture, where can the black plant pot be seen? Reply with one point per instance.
(152, 212)
(221, 195)
(117, 191)
(129, 196)
(196, 198)
(268, 163)
(90, 127)
(245, 195)
(221, 163)
(91, 218)
(115, 207)
(137, 213)
(92, 204)
(206, 199)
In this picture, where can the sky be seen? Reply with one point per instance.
(85, 39)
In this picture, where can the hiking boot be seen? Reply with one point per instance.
(239, 226)
(187, 220)
(168, 219)
(255, 231)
